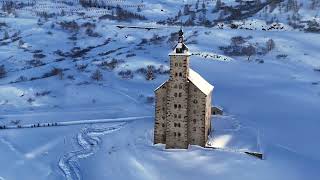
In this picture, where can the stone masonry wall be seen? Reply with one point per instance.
(197, 106)
(177, 103)
(160, 115)
(208, 124)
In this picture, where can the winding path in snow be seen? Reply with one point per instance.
(89, 141)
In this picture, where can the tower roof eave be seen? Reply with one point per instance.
(160, 86)
(173, 53)
(185, 53)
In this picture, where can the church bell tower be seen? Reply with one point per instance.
(177, 99)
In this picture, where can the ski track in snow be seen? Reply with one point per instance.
(89, 141)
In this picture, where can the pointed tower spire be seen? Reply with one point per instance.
(181, 47)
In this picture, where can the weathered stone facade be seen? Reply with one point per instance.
(183, 104)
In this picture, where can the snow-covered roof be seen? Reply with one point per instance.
(161, 85)
(201, 83)
(185, 52)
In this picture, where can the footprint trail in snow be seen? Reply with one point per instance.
(89, 141)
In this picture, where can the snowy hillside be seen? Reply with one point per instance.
(77, 81)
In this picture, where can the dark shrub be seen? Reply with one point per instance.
(126, 74)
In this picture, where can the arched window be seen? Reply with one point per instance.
(180, 94)
(176, 74)
(175, 134)
(175, 116)
(180, 74)
(179, 134)
(179, 116)
(180, 65)
(195, 101)
(194, 120)
(180, 86)
(179, 106)
(175, 94)
(175, 86)
(176, 64)
(175, 106)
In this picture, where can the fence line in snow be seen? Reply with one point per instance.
(70, 123)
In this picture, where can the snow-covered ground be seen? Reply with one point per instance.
(104, 129)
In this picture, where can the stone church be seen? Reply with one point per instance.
(183, 104)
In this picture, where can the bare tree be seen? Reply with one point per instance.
(270, 44)
(203, 7)
(314, 4)
(97, 75)
(186, 9)
(150, 73)
(218, 4)
(6, 35)
(237, 40)
(249, 51)
(3, 72)
(20, 43)
(179, 13)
